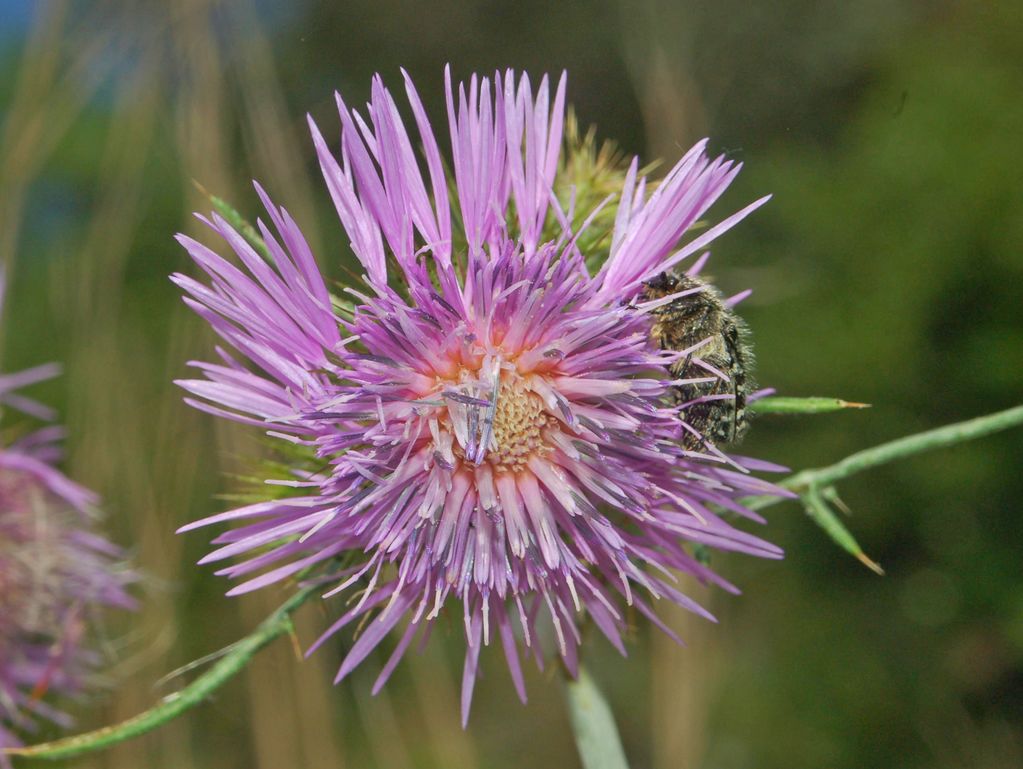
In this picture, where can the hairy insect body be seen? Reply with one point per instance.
(724, 359)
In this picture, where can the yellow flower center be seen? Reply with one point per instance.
(518, 428)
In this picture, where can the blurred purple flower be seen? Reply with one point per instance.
(56, 573)
(493, 423)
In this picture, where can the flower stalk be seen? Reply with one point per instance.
(593, 724)
(173, 705)
(816, 487)
(910, 445)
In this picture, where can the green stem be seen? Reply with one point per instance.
(939, 438)
(173, 705)
(816, 487)
(593, 724)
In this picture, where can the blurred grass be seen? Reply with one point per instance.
(886, 270)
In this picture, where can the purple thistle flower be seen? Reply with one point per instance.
(56, 572)
(493, 423)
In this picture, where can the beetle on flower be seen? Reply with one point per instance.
(493, 424)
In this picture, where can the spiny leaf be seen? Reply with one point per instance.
(236, 220)
(817, 508)
(787, 405)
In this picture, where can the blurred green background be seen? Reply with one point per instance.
(887, 269)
